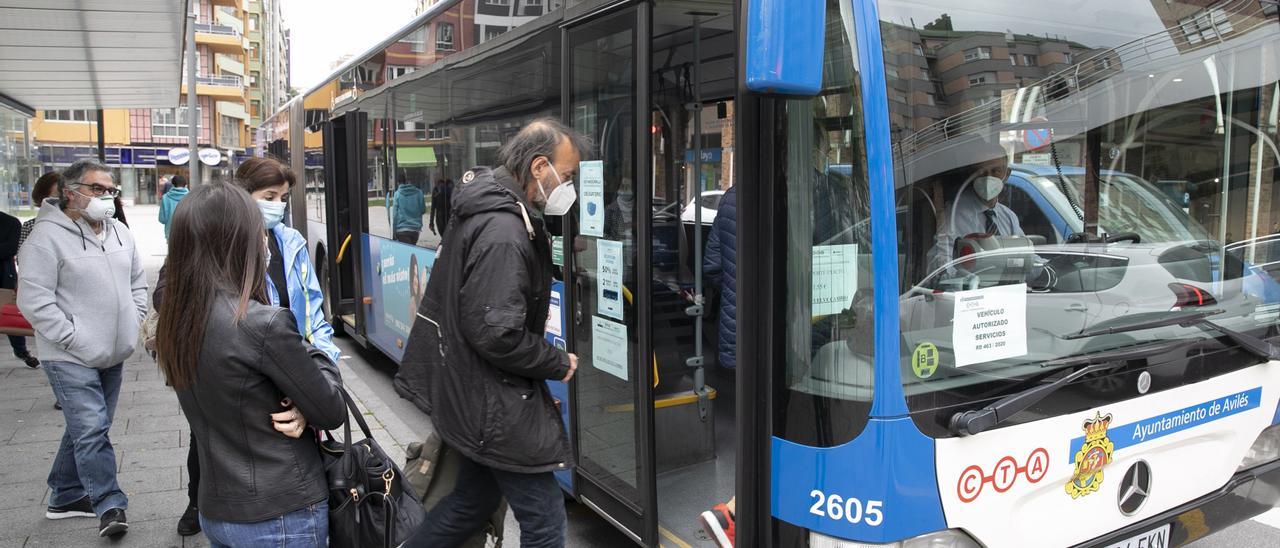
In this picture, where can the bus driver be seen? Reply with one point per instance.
(976, 209)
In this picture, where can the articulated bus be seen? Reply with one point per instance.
(1004, 268)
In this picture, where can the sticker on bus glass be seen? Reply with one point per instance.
(609, 346)
(990, 324)
(609, 278)
(591, 210)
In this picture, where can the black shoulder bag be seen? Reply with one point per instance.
(370, 503)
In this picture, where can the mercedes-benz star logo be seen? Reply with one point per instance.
(1135, 488)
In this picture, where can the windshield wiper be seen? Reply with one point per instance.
(1185, 318)
(968, 423)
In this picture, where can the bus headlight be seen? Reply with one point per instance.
(1264, 449)
(949, 538)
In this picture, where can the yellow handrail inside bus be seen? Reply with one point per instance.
(343, 250)
(626, 294)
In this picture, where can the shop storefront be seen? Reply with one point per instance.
(139, 170)
(15, 153)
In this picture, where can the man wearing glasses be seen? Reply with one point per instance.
(84, 291)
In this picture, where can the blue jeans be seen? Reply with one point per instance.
(535, 499)
(86, 462)
(304, 528)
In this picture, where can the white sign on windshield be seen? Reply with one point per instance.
(990, 324)
(835, 278)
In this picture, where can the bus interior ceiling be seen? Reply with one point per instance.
(692, 83)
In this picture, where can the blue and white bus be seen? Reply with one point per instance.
(969, 312)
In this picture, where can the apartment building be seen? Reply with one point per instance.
(241, 65)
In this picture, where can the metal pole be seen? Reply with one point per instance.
(697, 361)
(102, 147)
(193, 110)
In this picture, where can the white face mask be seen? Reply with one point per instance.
(561, 199)
(987, 187)
(99, 208)
(272, 212)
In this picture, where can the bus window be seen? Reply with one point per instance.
(1078, 201)
(825, 389)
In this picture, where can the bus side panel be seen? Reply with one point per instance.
(395, 276)
(880, 487)
(1000, 485)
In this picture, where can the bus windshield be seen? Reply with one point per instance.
(1034, 152)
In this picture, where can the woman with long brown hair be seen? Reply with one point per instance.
(234, 360)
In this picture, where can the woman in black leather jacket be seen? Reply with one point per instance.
(247, 382)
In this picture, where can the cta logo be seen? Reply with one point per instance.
(1003, 475)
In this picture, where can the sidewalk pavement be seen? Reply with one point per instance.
(150, 436)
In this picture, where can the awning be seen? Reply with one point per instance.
(86, 54)
(415, 156)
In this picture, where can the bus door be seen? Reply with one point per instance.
(345, 203)
(652, 88)
(607, 293)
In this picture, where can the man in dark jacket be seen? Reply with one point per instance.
(477, 360)
(720, 265)
(441, 199)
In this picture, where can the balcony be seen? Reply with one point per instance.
(223, 87)
(219, 38)
(227, 63)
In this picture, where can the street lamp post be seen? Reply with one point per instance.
(193, 110)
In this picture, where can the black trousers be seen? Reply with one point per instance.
(19, 345)
(535, 499)
(193, 473)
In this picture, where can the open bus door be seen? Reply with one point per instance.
(345, 203)
(652, 413)
(607, 322)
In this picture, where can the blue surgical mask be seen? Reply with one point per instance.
(272, 212)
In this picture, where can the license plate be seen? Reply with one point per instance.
(1155, 538)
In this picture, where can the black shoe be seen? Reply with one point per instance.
(78, 509)
(189, 524)
(30, 360)
(57, 405)
(114, 524)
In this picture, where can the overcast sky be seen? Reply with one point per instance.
(324, 30)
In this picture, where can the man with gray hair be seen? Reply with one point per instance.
(84, 291)
(477, 361)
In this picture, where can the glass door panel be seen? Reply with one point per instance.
(602, 106)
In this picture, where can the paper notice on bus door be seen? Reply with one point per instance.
(835, 278)
(591, 187)
(990, 324)
(609, 278)
(609, 346)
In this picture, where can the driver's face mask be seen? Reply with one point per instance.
(988, 187)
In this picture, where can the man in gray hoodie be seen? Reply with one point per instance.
(84, 291)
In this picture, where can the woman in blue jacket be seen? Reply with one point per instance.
(291, 283)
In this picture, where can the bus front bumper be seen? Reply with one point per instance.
(1248, 494)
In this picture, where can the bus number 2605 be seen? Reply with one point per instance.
(851, 509)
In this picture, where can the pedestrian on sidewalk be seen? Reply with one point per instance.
(45, 186)
(408, 206)
(230, 356)
(84, 291)
(170, 201)
(10, 239)
(441, 201)
(289, 283)
(480, 350)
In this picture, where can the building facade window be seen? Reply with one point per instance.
(255, 108)
(394, 72)
(1013, 60)
(416, 40)
(444, 36)
(982, 78)
(976, 54)
(497, 2)
(253, 22)
(253, 77)
(170, 122)
(917, 49)
(71, 115)
(493, 31)
(1028, 59)
(229, 132)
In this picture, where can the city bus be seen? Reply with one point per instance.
(968, 310)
